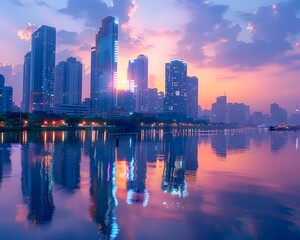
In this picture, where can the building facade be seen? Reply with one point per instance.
(6, 96)
(137, 75)
(42, 74)
(219, 110)
(26, 82)
(192, 97)
(278, 115)
(154, 101)
(175, 87)
(68, 82)
(104, 65)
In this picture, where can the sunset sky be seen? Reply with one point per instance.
(249, 49)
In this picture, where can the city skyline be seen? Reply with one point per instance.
(272, 73)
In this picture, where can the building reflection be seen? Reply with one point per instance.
(218, 144)
(103, 187)
(66, 161)
(5, 161)
(226, 141)
(37, 184)
(278, 140)
(180, 156)
(136, 173)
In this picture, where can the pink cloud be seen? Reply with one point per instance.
(25, 33)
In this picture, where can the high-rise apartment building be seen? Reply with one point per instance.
(192, 97)
(26, 82)
(104, 65)
(175, 87)
(43, 44)
(137, 72)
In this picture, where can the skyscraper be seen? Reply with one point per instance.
(137, 72)
(175, 87)
(106, 62)
(192, 97)
(26, 82)
(43, 43)
(94, 82)
(68, 82)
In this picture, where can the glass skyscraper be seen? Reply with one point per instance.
(137, 72)
(175, 87)
(43, 44)
(104, 65)
(26, 82)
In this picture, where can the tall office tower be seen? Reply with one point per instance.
(192, 97)
(137, 72)
(219, 110)
(26, 82)
(94, 82)
(106, 63)
(175, 87)
(278, 114)
(43, 44)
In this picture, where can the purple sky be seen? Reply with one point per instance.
(248, 49)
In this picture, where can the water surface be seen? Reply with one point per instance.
(238, 184)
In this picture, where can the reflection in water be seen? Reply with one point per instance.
(66, 161)
(278, 140)
(180, 155)
(218, 144)
(103, 187)
(37, 184)
(136, 173)
(230, 140)
(5, 161)
(245, 197)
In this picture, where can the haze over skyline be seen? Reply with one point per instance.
(249, 50)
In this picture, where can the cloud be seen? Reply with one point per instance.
(66, 53)
(85, 47)
(93, 11)
(26, 32)
(17, 2)
(210, 39)
(42, 4)
(67, 38)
